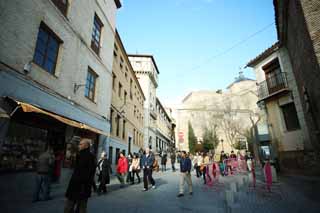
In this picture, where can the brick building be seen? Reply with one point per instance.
(298, 27)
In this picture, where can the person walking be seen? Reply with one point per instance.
(200, 167)
(185, 176)
(204, 164)
(135, 168)
(163, 161)
(79, 188)
(173, 161)
(248, 159)
(104, 171)
(129, 174)
(196, 164)
(122, 168)
(147, 166)
(44, 165)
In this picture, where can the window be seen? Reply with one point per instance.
(117, 155)
(134, 136)
(275, 78)
(290, 117)
(125, 97)
(96, 34)
(90, 84)
(62, 5)
(123, 129)
(111, 121)
(111, 154)
(119, 89)
(118, 125)
(131, 89)
(113, 81)
(47, 47)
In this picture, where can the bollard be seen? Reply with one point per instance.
(230, 197)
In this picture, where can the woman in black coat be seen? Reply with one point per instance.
(104, 171)
(79, 188)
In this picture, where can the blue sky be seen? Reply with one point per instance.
(185, 37)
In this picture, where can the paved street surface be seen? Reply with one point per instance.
(297, 194)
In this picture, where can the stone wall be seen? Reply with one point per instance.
(305, 64)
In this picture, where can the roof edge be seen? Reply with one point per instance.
(146, 56)
(263, 55)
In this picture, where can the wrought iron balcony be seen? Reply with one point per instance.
(273, 85)
(153, 114)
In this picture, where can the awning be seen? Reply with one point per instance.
(30, 108)
(3, 113)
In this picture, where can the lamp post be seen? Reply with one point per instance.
(222, 144)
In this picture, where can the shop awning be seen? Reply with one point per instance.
(3, 113)
(30, 108)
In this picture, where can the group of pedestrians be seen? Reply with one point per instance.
(82, 179)
(86, 168)
(201, 162)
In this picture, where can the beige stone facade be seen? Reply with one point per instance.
(210, 108)
(75, 54)
(127, 112)
(278, 96)
(164, 140)
(147, 72)
(56, 57)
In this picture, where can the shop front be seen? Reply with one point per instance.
(31, 131)
(33, 119)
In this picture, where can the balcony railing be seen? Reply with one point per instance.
(272, 85)
(153, 114)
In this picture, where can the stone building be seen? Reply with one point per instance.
(298, 27)
(126, 107)
(219, 110)
(55, 77)
(278, 96)
(147, 72)
(164, 140)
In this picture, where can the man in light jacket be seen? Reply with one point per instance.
(185, 176)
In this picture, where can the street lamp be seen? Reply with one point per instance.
(222, 144)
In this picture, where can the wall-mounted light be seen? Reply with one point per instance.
(77, 86)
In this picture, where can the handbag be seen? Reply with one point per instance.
(155, 166)
(202, 167)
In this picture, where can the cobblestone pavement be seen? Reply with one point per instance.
(290, 195)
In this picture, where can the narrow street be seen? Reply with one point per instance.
(289, 195)
(91, 90)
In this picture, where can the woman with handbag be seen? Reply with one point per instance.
(135, 168)
(203, 166)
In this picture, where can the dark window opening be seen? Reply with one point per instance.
(290, 117)
(96, 34)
